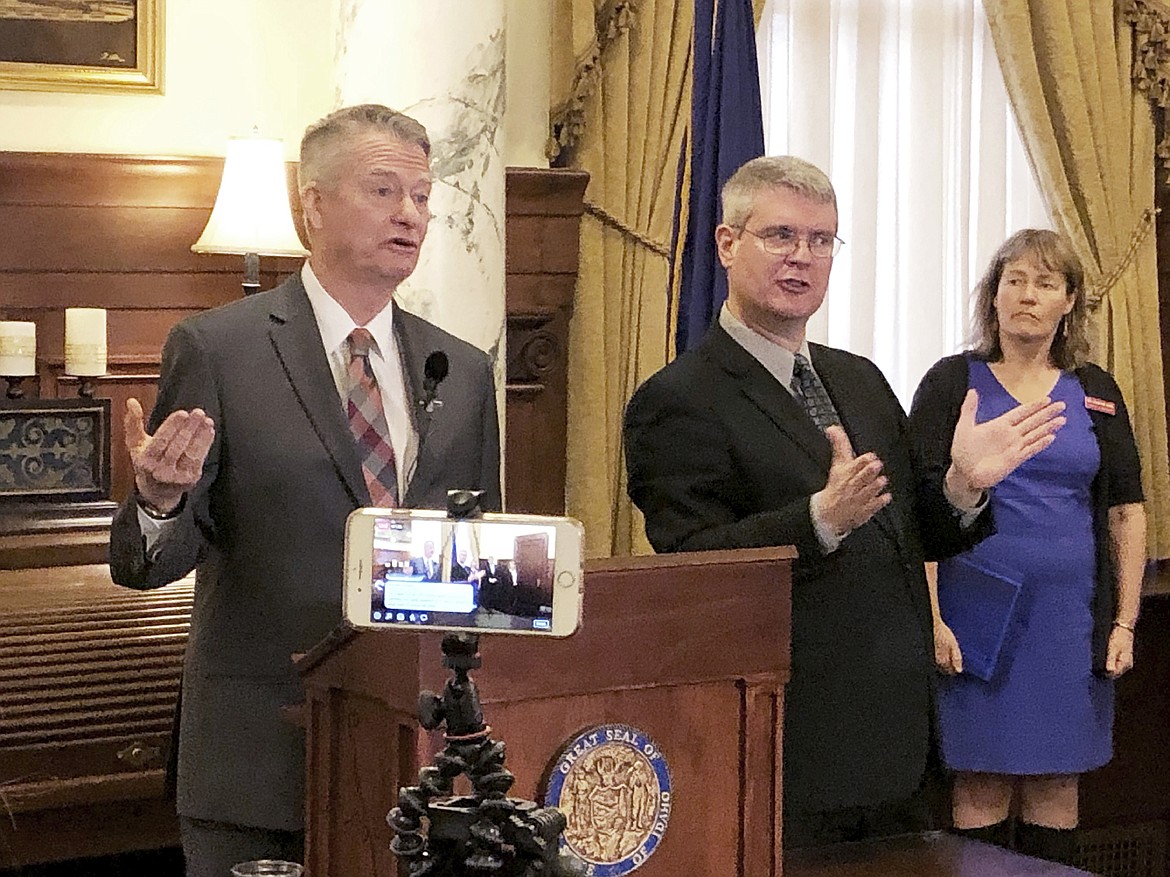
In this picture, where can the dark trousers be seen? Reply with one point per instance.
(816, 828)
(212, 848)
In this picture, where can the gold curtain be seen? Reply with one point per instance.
(622, 102)
(1150, 20)
(1090, 138)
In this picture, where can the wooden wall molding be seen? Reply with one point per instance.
(544, 212)
(115, 232)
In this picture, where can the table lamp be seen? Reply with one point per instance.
(251, 214)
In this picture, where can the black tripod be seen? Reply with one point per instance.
(486, 832)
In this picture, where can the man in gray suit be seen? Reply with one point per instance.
(428, 565)
(251, 462)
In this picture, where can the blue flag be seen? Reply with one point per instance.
(727, 129)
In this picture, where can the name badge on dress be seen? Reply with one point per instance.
(1102, 405)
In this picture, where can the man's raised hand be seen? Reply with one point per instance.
(985, 453)
(170, 462)
(856, 489)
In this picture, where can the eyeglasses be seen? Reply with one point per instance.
(784, 241)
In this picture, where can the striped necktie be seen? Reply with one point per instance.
(811, 393)
(367, 421)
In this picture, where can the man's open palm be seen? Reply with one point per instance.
(986, 453)
(170, 462)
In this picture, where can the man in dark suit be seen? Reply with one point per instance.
(496, 586)
(461, 567)
(276, 417)
(759, 438)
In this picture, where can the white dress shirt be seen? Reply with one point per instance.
(335, 325)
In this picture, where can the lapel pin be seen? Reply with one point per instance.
(1102, 405)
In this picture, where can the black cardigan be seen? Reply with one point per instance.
(935, 412)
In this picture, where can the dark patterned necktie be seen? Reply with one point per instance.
(810, 392)
(367, 421)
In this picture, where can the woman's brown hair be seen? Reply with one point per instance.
(1053, 252)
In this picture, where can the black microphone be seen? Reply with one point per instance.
(434, 371)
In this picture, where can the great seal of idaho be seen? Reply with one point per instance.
(612, 783)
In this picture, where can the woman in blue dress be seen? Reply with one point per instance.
(1070, 532)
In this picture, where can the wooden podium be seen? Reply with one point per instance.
(691, 649)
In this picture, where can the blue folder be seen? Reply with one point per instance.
(976, 600)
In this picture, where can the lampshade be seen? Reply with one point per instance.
(251, 213)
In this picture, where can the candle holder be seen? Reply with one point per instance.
(85, 387)
(15, 387)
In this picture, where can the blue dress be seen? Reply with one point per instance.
(1043, 710)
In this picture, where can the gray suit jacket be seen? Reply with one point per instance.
(264, 528)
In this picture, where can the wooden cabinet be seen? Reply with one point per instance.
(89, 677)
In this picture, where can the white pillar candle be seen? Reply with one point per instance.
(18, 348)
(85, 341)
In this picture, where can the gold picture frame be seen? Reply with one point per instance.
(82, 45)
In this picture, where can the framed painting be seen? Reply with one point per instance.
(81, 45)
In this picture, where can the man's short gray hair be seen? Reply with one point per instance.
(319, 146)
(773, 172)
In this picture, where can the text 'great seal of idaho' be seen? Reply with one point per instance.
(612, 783)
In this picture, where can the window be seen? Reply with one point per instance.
(903, 104)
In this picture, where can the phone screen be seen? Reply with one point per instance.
(470, 574)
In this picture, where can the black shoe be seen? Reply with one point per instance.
(1043, 842)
